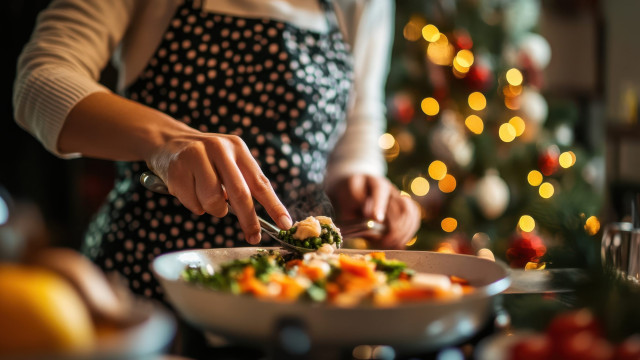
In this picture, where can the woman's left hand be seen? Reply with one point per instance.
(374, 197)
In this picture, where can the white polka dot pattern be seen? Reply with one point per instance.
(282, 89)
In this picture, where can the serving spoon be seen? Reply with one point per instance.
(153, 182)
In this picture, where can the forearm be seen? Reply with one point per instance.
(108, 126)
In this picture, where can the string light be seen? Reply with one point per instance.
(534, 178)
(447, 184)
(567, 159)
(477, 101)
(430, 33)
(475, 124)
(546, 190)
(449, 224)
(430, 106)
(518, 124)
(386, 141)
(592, 225)
(507, 132)
(514, 77)
(437, 170)
(526, 223)
(420, 186)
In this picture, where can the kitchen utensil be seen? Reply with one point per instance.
(414, 326)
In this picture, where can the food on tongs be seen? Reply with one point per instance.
(312, 233)
(326, 277)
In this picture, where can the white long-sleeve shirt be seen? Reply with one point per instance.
(75, 39)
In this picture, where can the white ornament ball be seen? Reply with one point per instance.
(492, 195)
(564, 135)
(533, 106)
(537, 48)
(449, 142)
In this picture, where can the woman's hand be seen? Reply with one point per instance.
(373, 197)
(196, 165)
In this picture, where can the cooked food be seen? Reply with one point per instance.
(312, 233)
(326, 277)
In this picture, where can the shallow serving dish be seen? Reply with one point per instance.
(425, 325)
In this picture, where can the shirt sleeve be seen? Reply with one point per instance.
(61, 64)
(369, 28)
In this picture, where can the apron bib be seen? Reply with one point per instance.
(282, 89)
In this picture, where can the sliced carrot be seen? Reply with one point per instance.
(314, 273)
(458, 280)
(292, 263)
(357, 267)
(249, 284)
(378, 255)
(413, 294)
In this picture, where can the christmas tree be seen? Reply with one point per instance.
(472, 138)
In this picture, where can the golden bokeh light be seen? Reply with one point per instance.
(592, 225)
(534, 178)
(517, 124)
(412, 241)
(449, 224)
(464, 58)
(532, 265)
(420, 186)
(475, 124)
(430, 106)
(514, 77)
(567, 159)
(512, 103)
(458, 70)
(405, 194)
(546, 190)
(477, 101)
(437, 170)
(441, 51)
(526, 223)
(386, 141)
(430, 33)
(507, 132)
(411, 31)
(447, 184)
(445, 248)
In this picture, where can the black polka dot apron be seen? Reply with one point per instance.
(282, 89)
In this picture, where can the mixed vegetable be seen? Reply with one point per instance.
(312, 233)
(322, 276)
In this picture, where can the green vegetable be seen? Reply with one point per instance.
(327, 236)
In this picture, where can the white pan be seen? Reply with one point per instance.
(424, 326)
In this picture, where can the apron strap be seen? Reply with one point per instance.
(330, 13)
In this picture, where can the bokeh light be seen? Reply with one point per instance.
(464, 58)
(534, 178)
(420, 186)
(507, 132)
(430, 33)
(437, 170)
(430, 106)
(475, 124)
(517, 124)
(546, 190)
(477, 101)
(441, 51)
(386, 141)
(447, 184)
(592, 225)
(405, 194)
(411, 31)
(567, 159)
(526, 223)
(412, 241)
(449, 224)
(514, 77)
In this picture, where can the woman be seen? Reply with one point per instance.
(236, 100)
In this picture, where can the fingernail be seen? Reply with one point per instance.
(254, 239)
(285, 222)
(379, 215)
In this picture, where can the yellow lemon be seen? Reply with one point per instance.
(41, 313)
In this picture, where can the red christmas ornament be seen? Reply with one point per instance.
(479, 78)
(524, 248)
(402, 108)
(548, 161)
(463, 39)
(533, 76)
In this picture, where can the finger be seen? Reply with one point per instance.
(209, 190)
(402, 228)
(262, 190)
(182, 186)
(239, 196)
(379, 191)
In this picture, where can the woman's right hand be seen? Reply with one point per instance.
(203, 170)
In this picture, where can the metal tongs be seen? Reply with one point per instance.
(152, 182)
